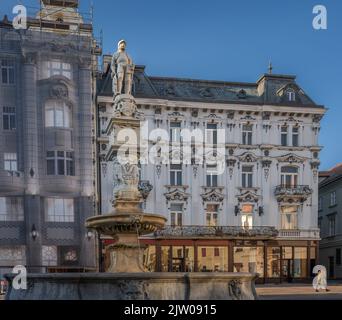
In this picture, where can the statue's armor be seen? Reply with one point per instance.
(122, 68)
(122, 59)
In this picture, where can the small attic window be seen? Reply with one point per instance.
(291, 96)
(242, 94)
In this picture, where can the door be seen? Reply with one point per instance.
(287, 270)
(178, 265)
(331, 267)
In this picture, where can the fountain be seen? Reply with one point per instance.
(126, 278)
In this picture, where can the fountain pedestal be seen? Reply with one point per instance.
(125, 228)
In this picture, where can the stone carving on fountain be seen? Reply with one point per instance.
(145, 188)
(127, 221)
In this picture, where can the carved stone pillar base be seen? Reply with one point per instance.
(124, 206)
(126, 255)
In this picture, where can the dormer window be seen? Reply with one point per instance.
(242, 94)
(291, 96)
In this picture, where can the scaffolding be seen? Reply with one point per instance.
(68, 23)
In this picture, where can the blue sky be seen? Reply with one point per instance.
(233, 41)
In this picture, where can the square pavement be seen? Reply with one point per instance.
(298, 292)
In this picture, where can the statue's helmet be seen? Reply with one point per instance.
(121, 42)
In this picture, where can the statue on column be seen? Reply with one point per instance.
(122, 71)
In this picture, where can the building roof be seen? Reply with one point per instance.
(270, 89)
(334, 174)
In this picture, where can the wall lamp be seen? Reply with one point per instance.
(237, 210)
(89, 235)
(34, 232)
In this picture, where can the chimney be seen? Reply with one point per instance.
(107, 60)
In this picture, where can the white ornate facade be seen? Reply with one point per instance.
(271, 155)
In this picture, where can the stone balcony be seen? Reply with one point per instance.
(292, 194)
(222, 232)
(313, 234)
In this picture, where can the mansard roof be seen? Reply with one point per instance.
(270, 89)
(333, 175)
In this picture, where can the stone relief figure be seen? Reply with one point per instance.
(124, 106)
(122, 70)
(126, 176)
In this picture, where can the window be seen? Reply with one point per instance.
(59, 210)
(300, 262)
(291, 96)
(247, 216)
(295, 136)
(176, 174)
(60, 163)
(10, 162)
(11, 209)
(8, 118)
(247, 177)
(57, 114)
(249, 259)
(333, 198)
(49, 256)
(338, 257)
(212, 215)
(212, 180)
(57, 67)
(12, 256)
(284, 130)
(175, 132)
(332, 225)
(289, 177)
(289, 218)
(212, 259)
(176, 215)
(7, 71)
(211, 134)
(273, 262)
(247, 134)
(320, 203)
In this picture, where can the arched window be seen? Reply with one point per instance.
(57, 115)
(289, 176)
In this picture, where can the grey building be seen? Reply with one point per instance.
(330, 220)
(47, 173)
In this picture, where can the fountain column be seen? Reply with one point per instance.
(127, 221)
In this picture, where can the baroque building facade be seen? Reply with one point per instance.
(329, 220)
(252, 204)
(47, 174)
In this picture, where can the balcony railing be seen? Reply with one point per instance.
(286, 193)
(225, 232)
(300, 234)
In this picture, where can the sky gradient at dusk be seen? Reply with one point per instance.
(232, 41)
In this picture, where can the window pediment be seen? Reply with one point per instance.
(176, 116)
(212, 195)
(248, 197)
(176, 194)
(291, 158)
(248, 157)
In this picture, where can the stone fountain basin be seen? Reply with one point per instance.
(136, 286)
(110, 225)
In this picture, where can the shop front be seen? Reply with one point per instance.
(273, 260)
